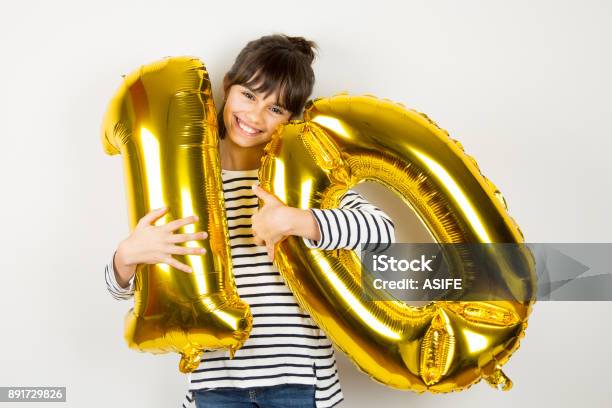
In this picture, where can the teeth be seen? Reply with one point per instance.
(247, 128)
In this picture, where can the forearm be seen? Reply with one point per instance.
(122, 269)
(118, 290)
(355, 222)
(303, 224)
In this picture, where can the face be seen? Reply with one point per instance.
(250, 119)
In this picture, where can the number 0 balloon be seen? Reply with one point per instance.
(441, 347)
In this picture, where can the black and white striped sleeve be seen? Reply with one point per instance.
(113, 287)
(355, 222)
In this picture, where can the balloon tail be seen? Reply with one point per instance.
(499, 380)
(189, 361)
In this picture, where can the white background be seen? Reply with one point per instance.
(524, 85)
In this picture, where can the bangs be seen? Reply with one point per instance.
(279, 73)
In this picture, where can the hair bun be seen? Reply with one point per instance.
(304, 46)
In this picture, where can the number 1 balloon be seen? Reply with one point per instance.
(163, 123)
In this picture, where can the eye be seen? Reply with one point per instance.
(277, 110)
(248, 95)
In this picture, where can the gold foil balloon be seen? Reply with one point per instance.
(163, 123)
(445, 345)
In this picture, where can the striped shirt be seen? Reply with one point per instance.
(285, 345)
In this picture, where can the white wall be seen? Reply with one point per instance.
(524, 85)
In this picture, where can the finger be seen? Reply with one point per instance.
(181, 250)
(259, 241)
(177, 265)
(271, 252)
(270, 249)
(153, 216)
(264, 195)
(176, 238)
(181, 222)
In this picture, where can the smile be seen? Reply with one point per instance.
(245, 128)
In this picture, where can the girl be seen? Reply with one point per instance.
(287, 360)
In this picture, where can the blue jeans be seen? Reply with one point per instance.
(276, 396)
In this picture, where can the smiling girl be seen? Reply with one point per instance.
(287, 360)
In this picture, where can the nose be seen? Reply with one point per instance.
(254, 115)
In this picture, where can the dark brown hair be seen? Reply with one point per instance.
(274, 63)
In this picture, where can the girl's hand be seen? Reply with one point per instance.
(275, 220)
(151, 244)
